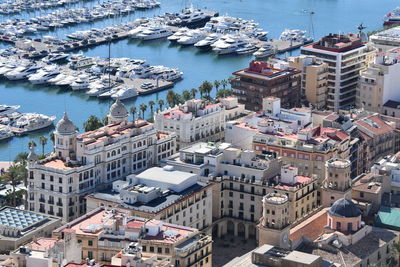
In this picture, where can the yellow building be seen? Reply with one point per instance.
(314, 75)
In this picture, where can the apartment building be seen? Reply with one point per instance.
(346, 56)
(104, 232)
(386, 40)
(314, 79)
(378, 84)
(262, 79)
(390, 166)
(307, 150)
(83, 163)
(391, 108)
(242, 131)
(198, 120)
(378, 135)
(165, 194)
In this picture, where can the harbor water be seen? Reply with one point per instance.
(337, 16)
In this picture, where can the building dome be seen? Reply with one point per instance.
(118, 110)
(32, 155)
(344, 208)
(65, 126)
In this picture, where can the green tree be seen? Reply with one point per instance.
(217, 84)
(160, 103)
(43, 142)
(151, 105)
(105, 120)
(31, 144)
(16, 174)
(193, 91)
(143, 108)
(133, 112)
(205, 88)
(21, 158)
(224, 93)
(224, 83)
(186, 95)
(92, 123)
(52, 138)
(171, 98)
(396, 247)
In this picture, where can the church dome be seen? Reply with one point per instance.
(65, 126)
(118, 110)
(344, 208)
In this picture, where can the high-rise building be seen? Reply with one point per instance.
(314, 79)
(346, 56)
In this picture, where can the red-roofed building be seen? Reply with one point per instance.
(261, 80)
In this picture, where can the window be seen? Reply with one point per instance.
(60, 180)
(231, 194)
(151, 249)
(90, 242)
(166, 250)
(144, 248)
(159, 250)
(79, 241)
(252, 198)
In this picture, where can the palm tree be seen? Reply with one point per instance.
(206, 87)
(216, 85)
(32, 144)
(171, 98)
(143, 108)
(21, 158)
(151, 105)
(92, 124)
(43, 142)
(160, 103)
(224, 83)
(193, 91)
(133, 112)
(14, 176)
(186, 95)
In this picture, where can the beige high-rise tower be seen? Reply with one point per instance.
(274, 225)
(337, 183)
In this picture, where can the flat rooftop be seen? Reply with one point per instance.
(154, 206)
(165, 175)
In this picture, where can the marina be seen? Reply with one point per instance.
(80, 106)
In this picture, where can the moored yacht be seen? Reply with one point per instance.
(5, 109)
(124, 92)
(192, 37)
(230, 45)
(5, 132)
(265, 51)
(207, 42)
(154, 33)
(33, 121)
(43, 75)
(22, 72)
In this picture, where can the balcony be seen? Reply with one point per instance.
(42, 200)
(50, 201)
(71, 203)
(59, 214)
(60, 204)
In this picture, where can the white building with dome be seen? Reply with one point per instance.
(83, 163)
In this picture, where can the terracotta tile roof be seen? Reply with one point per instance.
(311, 228)
(375, 125)
(56, 164)
(42, 244)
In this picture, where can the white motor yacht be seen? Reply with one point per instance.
(177, 35)
(230, 45)
(5, 132)
(7, 68)
(33, 121)
(80, 61)
(55, 57)
(192, 37)
(125, 92)
(172, 75)
(246, 49)
(69, 79)
(5, 109)
(154, 33)
(109, 93)
(22, 72)
(208, 41)
(265, 51)
(43, 75)
(80, 84)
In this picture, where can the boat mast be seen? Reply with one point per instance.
(109, 63)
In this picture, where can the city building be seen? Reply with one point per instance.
(164, 194)
(270, 256)
(197, 120)
(45, 252)
(314, 79)
(308, 149)
(83, 163)
(386, 40)
(346, 56)
(18, 227)
(104, 232)
(338, 235)
(379, 135)
(391, 108)
(337, 183)
(262, 79)
(242, 131)
(378, 84)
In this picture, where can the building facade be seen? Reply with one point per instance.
(197, 120)
(83, 163)
(261, 80)
(314, 79)
(346, 56)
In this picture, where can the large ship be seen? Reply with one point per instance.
(393, 17)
